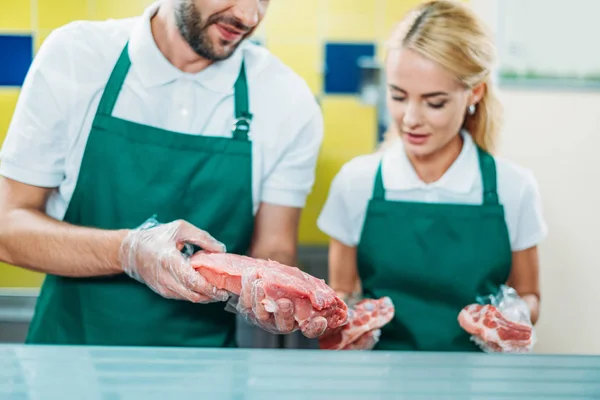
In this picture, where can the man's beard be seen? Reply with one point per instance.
(195, 31)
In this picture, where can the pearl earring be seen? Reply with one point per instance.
(471, 109)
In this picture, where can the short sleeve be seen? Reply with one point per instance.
(293, 176)
(335, 217)
(35, 147)
(531, 226)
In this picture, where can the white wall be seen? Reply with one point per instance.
(556, 133)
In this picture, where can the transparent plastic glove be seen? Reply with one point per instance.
(152, 254)
(363, 330)
(500, 323)
(278, 298)
(277, 315)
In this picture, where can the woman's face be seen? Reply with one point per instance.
(426, 102)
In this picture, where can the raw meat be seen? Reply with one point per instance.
(264, 286)
(363, 328)
(494, 330)
(366, 342)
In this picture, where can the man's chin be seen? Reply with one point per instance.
(225, 50)
(221, 47)
(216, 48)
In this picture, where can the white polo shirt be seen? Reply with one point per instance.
(49, 130)
(343, 214)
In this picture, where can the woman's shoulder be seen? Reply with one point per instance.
(360, 170)
(343, 213)
(513, 177)
(520, 195)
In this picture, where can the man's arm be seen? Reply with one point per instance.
(32, 240)
(33, 163)
(276, 234)
(285, 190)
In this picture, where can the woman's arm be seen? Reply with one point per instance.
(524, 278)
(343, 271)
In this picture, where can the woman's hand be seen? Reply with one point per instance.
(501, 325)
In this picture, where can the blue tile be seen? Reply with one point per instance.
(381, 129)
(17, 54)
(342, 75)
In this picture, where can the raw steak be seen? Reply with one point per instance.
(363, 328)
(494, 330)
(263, 286)
(366, 342)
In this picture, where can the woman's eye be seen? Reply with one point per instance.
(438, 105)
(398, 98)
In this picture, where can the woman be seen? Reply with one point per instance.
(433, 220)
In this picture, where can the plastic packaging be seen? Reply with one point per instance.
(277, 298)
(152, 254)
(500, 323)
(363, 330)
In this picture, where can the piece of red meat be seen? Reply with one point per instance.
(498, 333)
(366, 342)
(362, 329)
(316, 305)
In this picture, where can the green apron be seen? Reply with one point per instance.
(130, 172)
(432, 260)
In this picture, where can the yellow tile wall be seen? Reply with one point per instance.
(351, 20)
(350, 130)
(15, 16)
(295, 30)
(8, 101)
(305, 58)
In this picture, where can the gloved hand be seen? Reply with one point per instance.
(279, 316)
(500, 323)
(152, 254)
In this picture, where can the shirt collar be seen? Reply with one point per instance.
(399, 174)
(154, 69)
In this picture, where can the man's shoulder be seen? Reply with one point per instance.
(89, 43)
(274, 75)
(105, 27)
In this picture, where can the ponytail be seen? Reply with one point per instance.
(485, 124)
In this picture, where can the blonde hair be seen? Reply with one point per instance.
(449, 33)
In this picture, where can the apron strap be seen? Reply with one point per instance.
(487, 165)
(115, 82)
(243, 117)
(378, 189)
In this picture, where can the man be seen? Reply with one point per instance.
(173, 114)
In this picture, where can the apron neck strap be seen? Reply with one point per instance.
(378, 189)
(243, 117)
(115, 82)
(487, 165)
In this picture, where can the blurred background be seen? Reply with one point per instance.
(549, 80)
